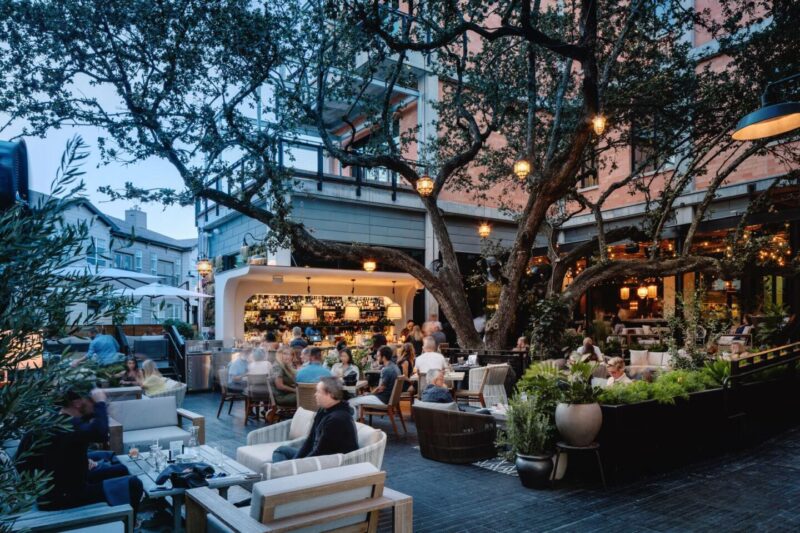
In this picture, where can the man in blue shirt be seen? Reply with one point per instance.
(104, 349)
(314, 371)
(237, 372)
(436, 392)
(382, 394)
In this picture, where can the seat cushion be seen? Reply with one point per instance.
(255, 455)
(137, 414)
(366, 435)
(451, 406)
(656, 358)
(277, 487)
(639, 358)
(302, 421)
(301, 466)
(143, 438)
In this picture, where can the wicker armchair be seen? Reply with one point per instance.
(453, 436)
(178, 392)
(490, 381)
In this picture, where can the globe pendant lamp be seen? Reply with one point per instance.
(393, 310)
(425, 185)
(370, 265)
(308, 312)
(522, 168)
(641, 292)
(771, 119)
(352, 313)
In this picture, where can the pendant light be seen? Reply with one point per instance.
(484, 230)
(352, 313)
(370, 265)
(641, 292)
(624, 293)
(599, 124)
(393, 310)
(774, 117)
(652, 291)
(308, 312)
(425, 185)
(522, 168)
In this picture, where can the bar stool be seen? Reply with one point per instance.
(593, 447)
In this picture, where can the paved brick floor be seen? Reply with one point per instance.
(753, 490)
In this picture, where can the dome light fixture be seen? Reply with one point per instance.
(393, 310)
(308, 312)
(425, 185)
(352, 312)
(771, 119)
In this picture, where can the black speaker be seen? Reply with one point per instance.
(13, 173)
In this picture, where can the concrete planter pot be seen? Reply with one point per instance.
(579, 424)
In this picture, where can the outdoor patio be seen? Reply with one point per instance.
(753, 489)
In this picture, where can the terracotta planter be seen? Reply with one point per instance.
(579, 424)
(534, 470)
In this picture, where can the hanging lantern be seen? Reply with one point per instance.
(393, 310)
(652, 291)
(370, 265)
(244, 251)
(352, 313)
(522, 168)
(204, 267)
(624, 293)
(484, 230)
(599, 124)
(425, 185)
(641, 292)
(308, 312)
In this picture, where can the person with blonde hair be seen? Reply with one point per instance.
(616, 371)
(152, 380)
(285, 389)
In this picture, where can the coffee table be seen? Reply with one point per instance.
(144, 469)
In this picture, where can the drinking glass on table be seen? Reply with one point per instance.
(219, 457)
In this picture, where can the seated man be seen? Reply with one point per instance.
(333, 430)
(382, 394)
(313, 371)
(590, 352)
(77, 479)
(429, 358)
(616, 371)
(104, 349)
(436, 391)
(237, 372)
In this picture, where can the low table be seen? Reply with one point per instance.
(144, 469)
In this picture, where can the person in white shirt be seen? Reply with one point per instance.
(430, 358)
(260, 365)
(616, 370)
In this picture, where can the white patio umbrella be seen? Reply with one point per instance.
(107, 274)
(159, 290)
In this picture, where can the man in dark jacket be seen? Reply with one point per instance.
(77, 479)
(333, 430)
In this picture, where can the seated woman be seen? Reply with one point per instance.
(616, 371)
(590, 352)
(259, 364)
(153, 382)
(285, 386)
(345, 366)
(131, 375)
(406, 364)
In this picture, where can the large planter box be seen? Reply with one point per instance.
(648, 437)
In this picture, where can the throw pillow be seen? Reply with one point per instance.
(302, 421)
(639, 358)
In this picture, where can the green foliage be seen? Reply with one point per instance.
(577, 384)
(717, 372)
(549, 320)
(665, 389)
(600, 331)
(530, 429)
(541, 380)
(185, 329)
(658, 347)
(613, 348)
(638, 391)
(689, 325)
(770, 327)
(361, 358)
(36, 246)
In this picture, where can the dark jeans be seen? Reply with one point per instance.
(284, 453)
(109, 468)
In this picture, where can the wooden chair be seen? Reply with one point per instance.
(494, 375)
(348, 498)
(278, 412)
(257, 395)
(227, 395)
(392, 409)
(305, 396)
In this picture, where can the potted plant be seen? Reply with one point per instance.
(579, 417)
(529, 436)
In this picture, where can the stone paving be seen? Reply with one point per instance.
(757, 489)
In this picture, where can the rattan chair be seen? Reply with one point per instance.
(227, 394)
(495, 375)
(305, 396)
(257, 395)
(455, 437)
(392, 409)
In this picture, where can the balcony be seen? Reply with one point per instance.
(399, 21)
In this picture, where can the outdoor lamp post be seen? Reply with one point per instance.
(772, 118)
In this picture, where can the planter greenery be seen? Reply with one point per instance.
(529, 436)
(579, 417)
(186, 330)
(669, 386)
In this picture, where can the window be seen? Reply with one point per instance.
(154, 264)
(300, 157)
(96, 254)
(172, 310)
(137, 265)
(650, 147)
(123, 261)
(166, 271)
(588, 172)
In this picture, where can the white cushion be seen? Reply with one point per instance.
(136, 414)
(666, 361)
(255, 455)
(647, 330)
(655, 358)
(452, 406)
(638, 331)
(639, 358)
(301, 466)
(278, 487)
(302, 421)
(111, 527)
(143, 438)
(366, 435)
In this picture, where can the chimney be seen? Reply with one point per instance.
(136, 217)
